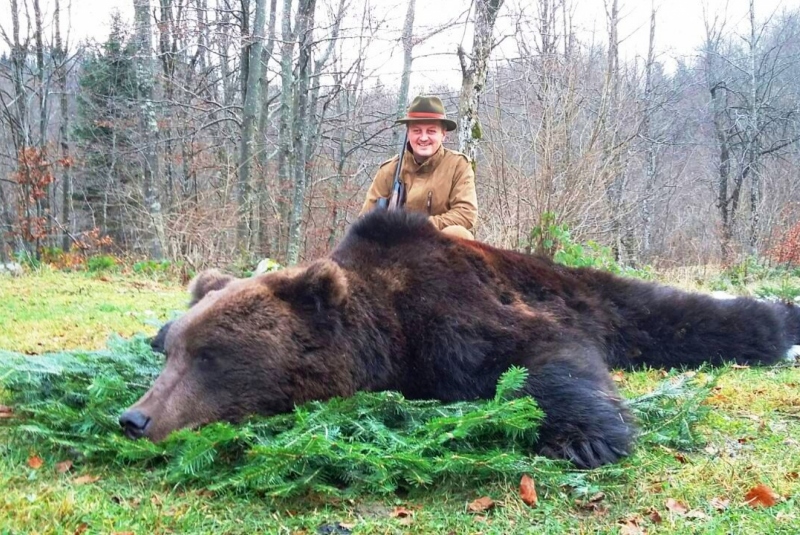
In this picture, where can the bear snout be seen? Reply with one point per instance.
(134, 423)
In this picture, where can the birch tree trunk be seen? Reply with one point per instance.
(244, 235)
(473, 72)
(145, 66)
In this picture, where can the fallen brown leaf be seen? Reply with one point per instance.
(676, 507)
(618, 376)
(6, 412)
(597, 497)
(681, 458)
(83, 480)
(480, 505)
(63, 466)
(527, 491)
(82, 527)
(761, 496)
(629, 528)
(347, 525)
(400, 512)
(654, 516)
(792, 476)
(35, 462)
(720, 504)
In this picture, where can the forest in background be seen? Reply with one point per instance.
(215, 131)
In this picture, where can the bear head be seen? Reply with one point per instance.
(247, 346)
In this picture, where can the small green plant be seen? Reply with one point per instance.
(27, 259)
(152, 267)
(101, 262)
(785, 291)
(555, 240)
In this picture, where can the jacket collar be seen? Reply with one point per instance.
(426, 167)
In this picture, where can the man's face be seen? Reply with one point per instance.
(425, 137)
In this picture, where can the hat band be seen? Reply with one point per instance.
(425, 115)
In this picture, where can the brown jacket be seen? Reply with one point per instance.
(442, 187)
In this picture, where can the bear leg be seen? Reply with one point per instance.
(585, 421)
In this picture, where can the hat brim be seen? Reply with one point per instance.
(449, 125)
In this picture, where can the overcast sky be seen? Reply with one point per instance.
(679, 28)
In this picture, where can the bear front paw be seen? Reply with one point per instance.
(586, 453)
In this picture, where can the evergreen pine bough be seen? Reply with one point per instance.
(69, 403)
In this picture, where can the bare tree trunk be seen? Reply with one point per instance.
(20, 131)
(244, 234)
(754, 148)
(42, 204)
(150, 168)
(60, 59)
(285, 125)
(650, 151)
(473, 75)
(405, 79)
(304, 28)
(262, 207)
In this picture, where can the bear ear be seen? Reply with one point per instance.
(207, 281)
(322, 285)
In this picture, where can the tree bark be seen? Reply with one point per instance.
(650, 150)
(473, 73)
(145, 66)
(304, 28)
(248, 143)
(60, 59)
(405, 79)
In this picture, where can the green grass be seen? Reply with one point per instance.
(49, 311)
(751, 436)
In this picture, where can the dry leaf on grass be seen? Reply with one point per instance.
(480, 505)
(527, 491)
(82, 527)
(35, 462)
(720, 504)
(83, 480)
(654, 516)
(400, 512)
(618, 376)
(63, 466)
(6, 412)
(761, 496)
(631, 528)
(676, 507)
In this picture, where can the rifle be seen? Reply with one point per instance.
(398, 196)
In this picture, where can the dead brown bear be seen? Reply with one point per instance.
(400, 306)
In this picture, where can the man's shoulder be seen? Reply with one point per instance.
(390, 160)
(454, 154)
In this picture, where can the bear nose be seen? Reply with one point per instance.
(134, 423)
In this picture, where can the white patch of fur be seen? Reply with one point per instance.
(793, 353)
(722, 295)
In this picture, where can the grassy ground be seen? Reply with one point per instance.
(752, 437)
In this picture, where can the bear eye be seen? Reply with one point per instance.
(205, 358)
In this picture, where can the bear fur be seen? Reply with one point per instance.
(400, 306)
